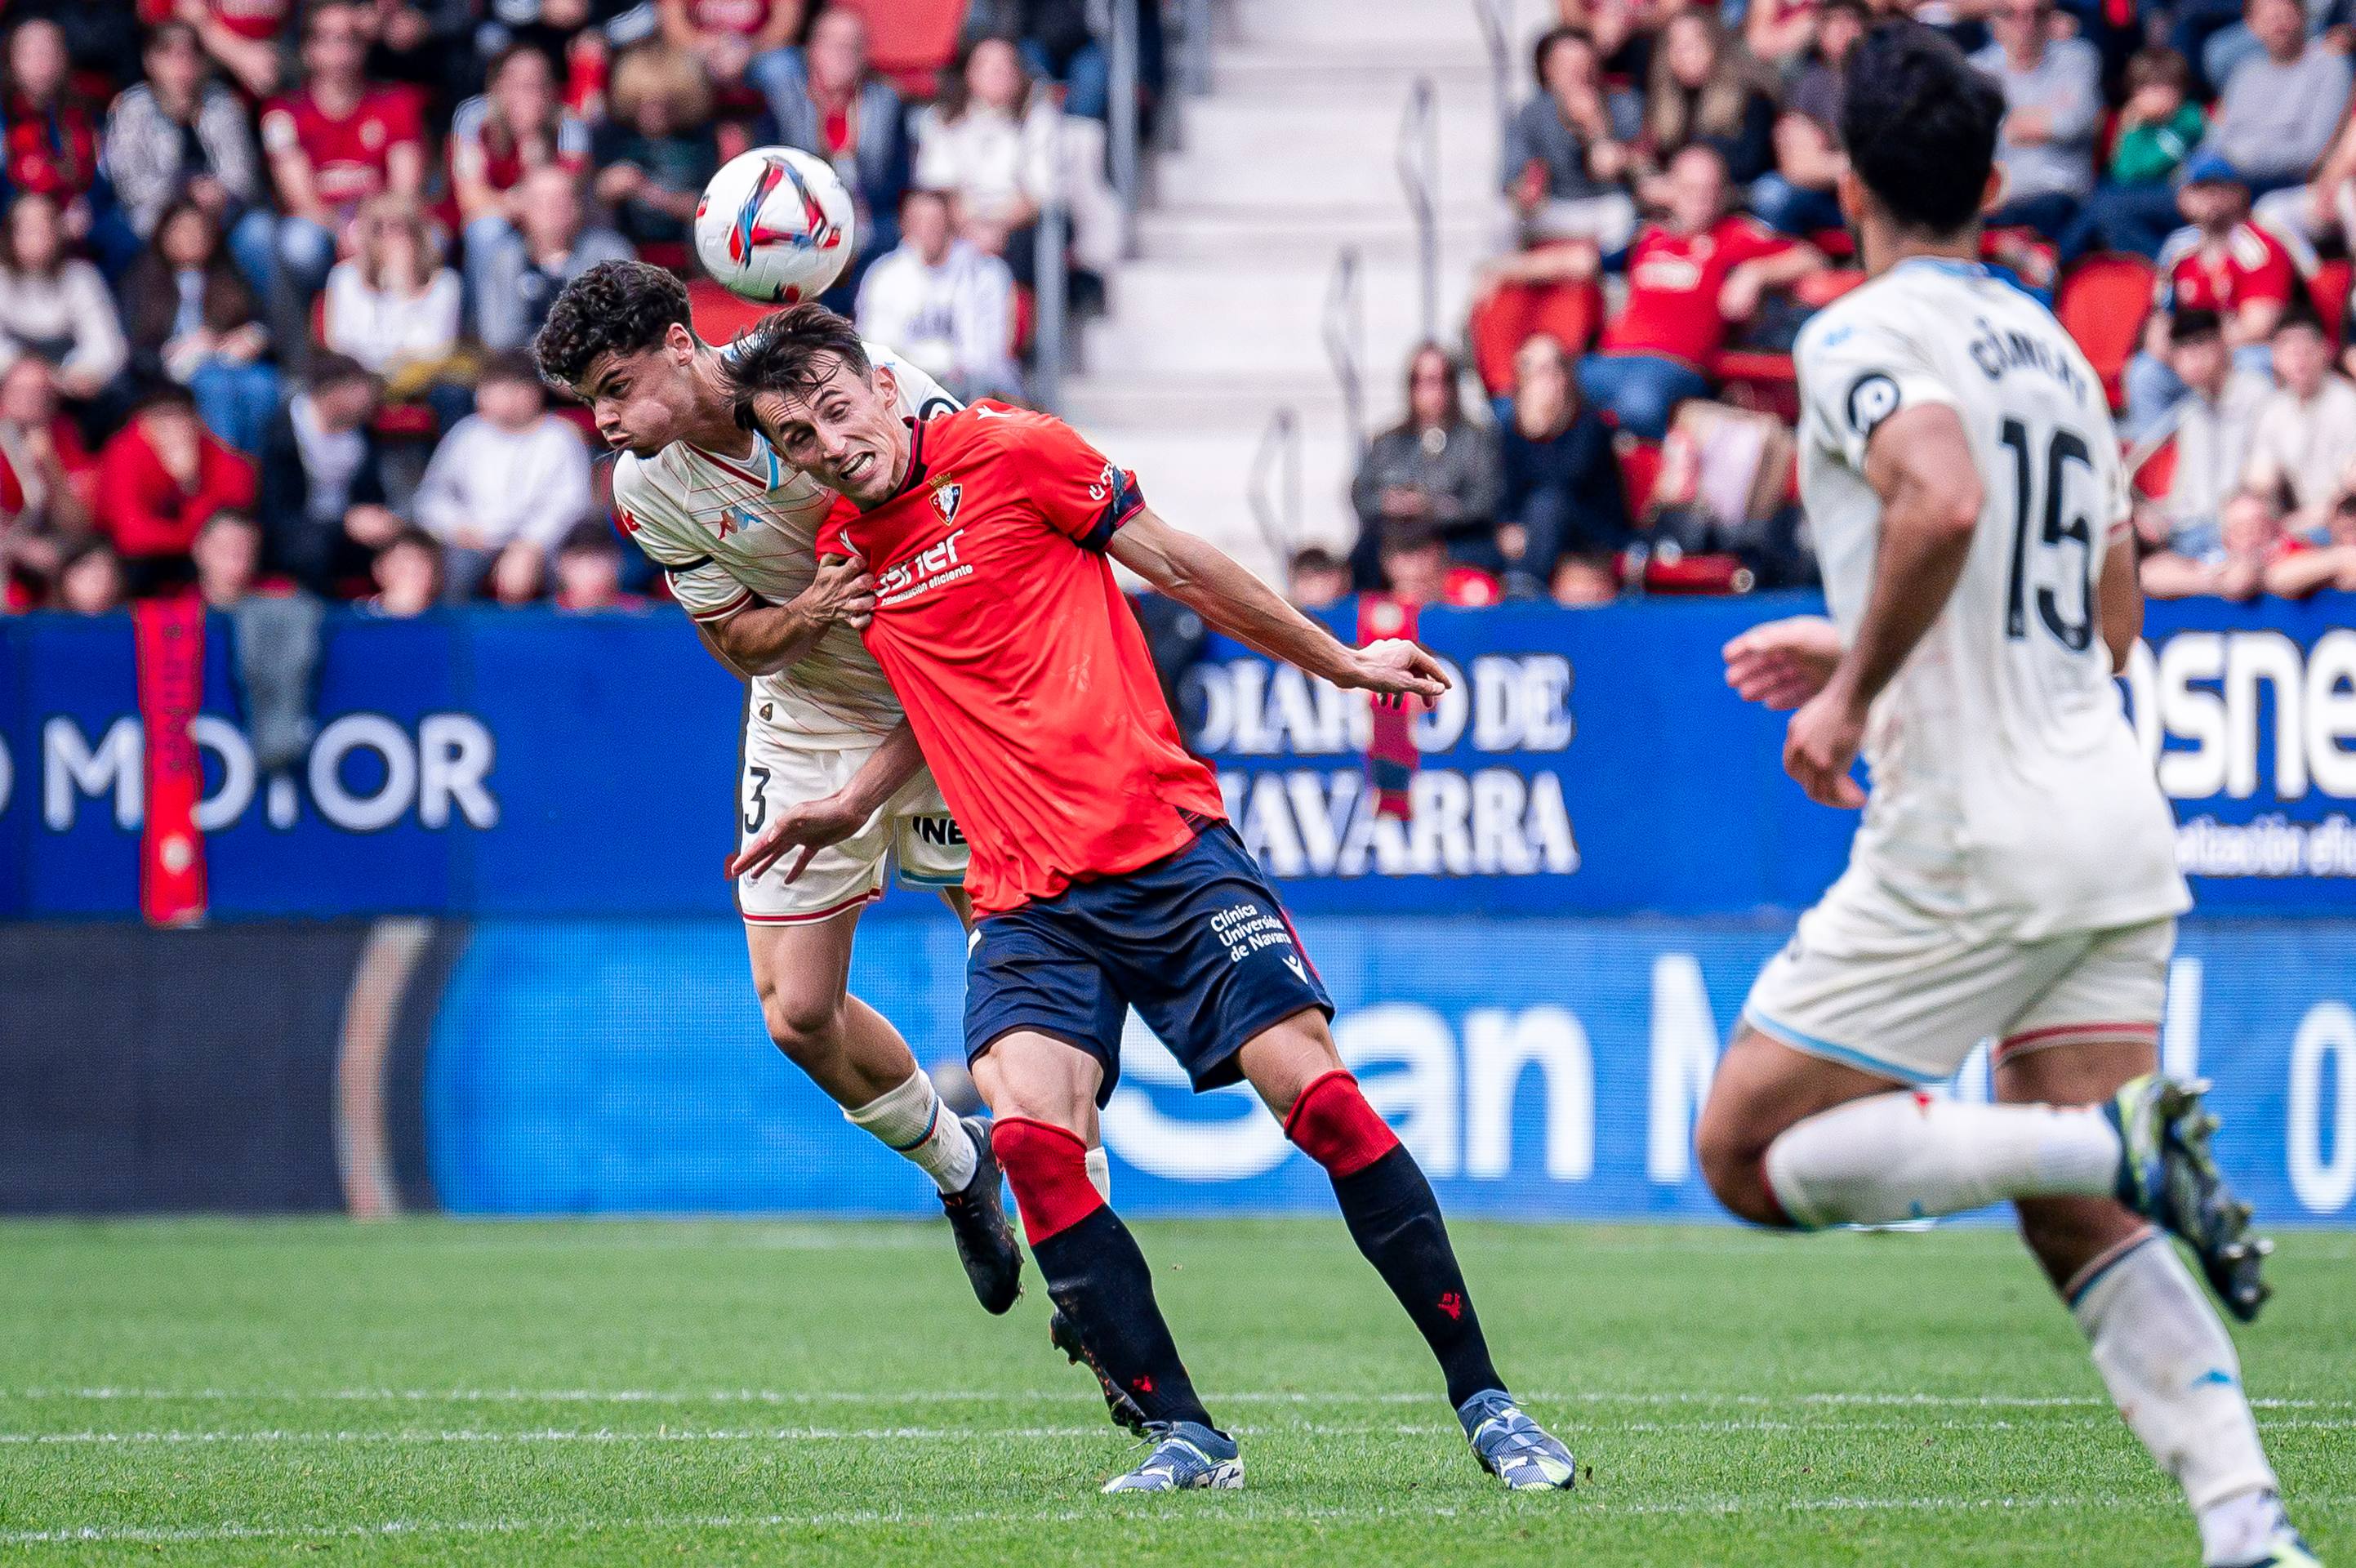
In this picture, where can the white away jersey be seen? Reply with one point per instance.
(734, 533)
(2008, 789)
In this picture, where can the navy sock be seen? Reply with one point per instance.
(1394, 1220)
(1097, 1275)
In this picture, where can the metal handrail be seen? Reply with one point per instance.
(1196, 61)
(1496, 18)
(1345, 330)
(1418, 172)
(1050, 331)
(1278, 455)
(1120, 130)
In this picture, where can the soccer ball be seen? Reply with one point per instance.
(775, 225)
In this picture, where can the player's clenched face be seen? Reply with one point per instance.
(843, 431)
(647, 400)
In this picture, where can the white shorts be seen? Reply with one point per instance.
(1871, 981)
(913, 828)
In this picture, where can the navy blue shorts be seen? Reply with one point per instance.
(1197, 942)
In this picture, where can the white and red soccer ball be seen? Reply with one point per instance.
(775, 225)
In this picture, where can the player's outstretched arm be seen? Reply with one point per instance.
(1919, 464)
(766, 639)
(1201, 576)
(811, 825)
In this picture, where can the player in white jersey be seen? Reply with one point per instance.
(733, 527)
(2013, 878)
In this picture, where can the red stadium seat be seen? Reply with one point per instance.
(2328, 288)
(1762, 380)
(1639, 470)
(1568, 312)
(911, 41)
(2103, 304)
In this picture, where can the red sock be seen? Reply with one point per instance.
(1047, 1166)
(1333, 1125)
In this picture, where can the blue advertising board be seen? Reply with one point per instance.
(1541, 1067)
(1589, 762)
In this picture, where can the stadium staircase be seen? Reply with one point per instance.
(1219, 320)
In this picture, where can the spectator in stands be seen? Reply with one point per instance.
(56, 307)
(2250, 538)
(241, 34)
(44, 451)
(1702, 93)
(101, 40)
(654, 155)
(2213, 426)
(2158, 127)
(1691, 276)
(323, 496)
(2322, 210)
(2306, 429)
(992, 140)
(159, 478)
(1056, 43)
(1416, 570)
(826, 101)
(1561, 515)
(942, 305)
(180, 133)
(193, 317)
(2053, 105)
(517, 124)
(2223, 262)
(550, 245)
(426, 46)
(1779, 33)
(335, 142)
(509, 480)
(51, 138)
(394, 308)
(408, 573)
(1435, 467)
(2323, 558)
(589, 571)
(1316, 579)
(89, 579)
(1564, 168)
(228, 557)
(728, 37)
(2278, 110)
(1798, 196)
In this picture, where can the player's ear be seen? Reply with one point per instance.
(1992, 194)
(887, 385)
(680, 340)
(1850, 191)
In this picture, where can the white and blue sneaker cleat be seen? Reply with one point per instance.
(2287, 1548)
(1186, 1454)
(1512, 1447)
(2168, 1175)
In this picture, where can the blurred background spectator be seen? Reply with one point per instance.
(990, 139)
(180, 135)
(1435, 467)
(588, 572)
(2280, 105)
(1317, 579)
(55, 306)
(2210, 433)
(89, 579)
(944, 305)
(1705, 93)
(515, 127)
(826, 101)
(1564, 168)
(2053, 106)
(509, 480)
(196, 319)
(2220, 262)
(52, 143)
(323, 492)
(408, 574)
(1417, 570)
(394, 308)
(159, 478)
(521, 271)
(2306, 429)
(1056, 43)
(653, 155)
(1797, 198)
(728, 37)
(1561, 515)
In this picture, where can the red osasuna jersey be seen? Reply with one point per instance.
(1672, 286)
(350, 157)
(2251, 266)
(1018, 659)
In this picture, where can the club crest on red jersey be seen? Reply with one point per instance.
(945, 499)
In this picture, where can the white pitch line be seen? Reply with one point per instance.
(1225, 1512)
(979, 1396)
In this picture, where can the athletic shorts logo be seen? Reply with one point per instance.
(1873, 398)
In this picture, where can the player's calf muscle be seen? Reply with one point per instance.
(1760, 1089)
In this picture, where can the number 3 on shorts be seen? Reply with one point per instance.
(756, 809)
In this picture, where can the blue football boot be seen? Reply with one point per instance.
(1185, 1455)
(1512, 1447)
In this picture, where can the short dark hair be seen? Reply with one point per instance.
(1315, 558)
(162, 392)
(585, 538)
(329, 368)
(414, 537)
(614, 307)
(514, 365)
(1544, 47)
(2196, 325)
(1920, 124)
(1404, 534)
(794, 351)
(2300, 316)
(2158, 67)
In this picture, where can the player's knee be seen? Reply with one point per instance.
(1734, 1163)
(804, 1026)
(1333, 1123)
(1046, 1166)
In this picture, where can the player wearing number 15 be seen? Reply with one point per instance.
(2015, 874)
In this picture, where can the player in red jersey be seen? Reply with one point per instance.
(1103, 868)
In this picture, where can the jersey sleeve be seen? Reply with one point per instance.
(705, 588)
(1083, 494)
(1854, 374)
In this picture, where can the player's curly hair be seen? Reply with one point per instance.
(792, 352)
(614, 307)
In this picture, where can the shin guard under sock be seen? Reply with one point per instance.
(1094, 1271)
(1394, 1220)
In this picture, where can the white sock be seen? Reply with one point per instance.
(1100, 1171)
(1902, 1155)
(911, 1120)
(2172, 1372)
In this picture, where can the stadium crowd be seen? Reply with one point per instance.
(268, 268)
(2180, 182)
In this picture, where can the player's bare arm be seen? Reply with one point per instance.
(1919, 464)
(1201, 576)
(1780, 664)
(766, 639)
(811, 825)
(2120, 595)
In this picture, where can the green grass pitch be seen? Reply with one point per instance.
(820, 1395)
